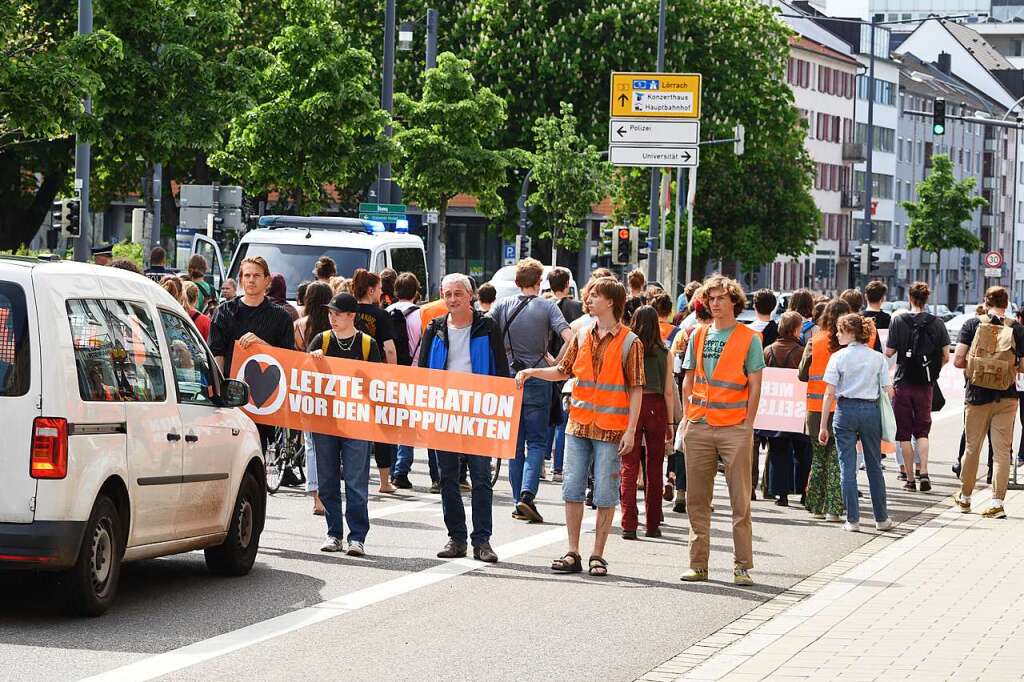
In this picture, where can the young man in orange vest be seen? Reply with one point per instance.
(607, 362)
(721, 392)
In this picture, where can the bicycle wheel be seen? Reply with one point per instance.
(272, 460)
(497, 471)
(296, 457)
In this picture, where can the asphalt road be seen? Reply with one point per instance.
(401, 614)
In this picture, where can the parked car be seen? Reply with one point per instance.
(504, 283)
(892, 306)
(122, 441)
(954, 324)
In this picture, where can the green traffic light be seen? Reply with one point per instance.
(938, 129)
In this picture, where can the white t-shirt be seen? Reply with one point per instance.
(458, 349)
(759, 325)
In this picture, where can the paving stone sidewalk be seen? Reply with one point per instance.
(944, 602)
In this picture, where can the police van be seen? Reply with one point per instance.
(122, 441)
(291, 246)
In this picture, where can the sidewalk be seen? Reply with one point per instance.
(944, 602)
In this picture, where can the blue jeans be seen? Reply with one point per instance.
(451, 497)
(560, 443)
(338, 457)
(403, 463)
(860, 420)
(524, 470)
(583, 455)
(311, 478)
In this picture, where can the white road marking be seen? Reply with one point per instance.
(199, 652)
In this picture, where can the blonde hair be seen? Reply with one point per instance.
(853, 324)
(191, 293)
(340, 285)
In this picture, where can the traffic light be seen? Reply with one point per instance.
(621, 250)
(58, 216)
(855, 261)
(939, 117)
(873, 258)
(605, 243)
(74, 213)
(639, 245)
(523, 246)
(865, 258)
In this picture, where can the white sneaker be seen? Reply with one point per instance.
(832, 518)
(851, 527)
(332, 544)
(884, 525)
(356, 549)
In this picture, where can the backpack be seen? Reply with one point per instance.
(399, 320)
(992, 358)
(805, 329)
(919, 362)
(325, 343)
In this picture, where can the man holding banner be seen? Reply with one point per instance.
(464, 340)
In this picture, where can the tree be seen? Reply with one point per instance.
(46, 70)
(444, 143)
(568, 177)
(943, 206)
(318, 121)
(757, 205)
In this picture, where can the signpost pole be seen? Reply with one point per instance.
(681, 191)
(691, 193)
(652, 264)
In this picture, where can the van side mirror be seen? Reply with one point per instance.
(233, 393)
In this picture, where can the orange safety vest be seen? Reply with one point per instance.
(602, 400)
(820, 353)
(722, 399)
(666, 330)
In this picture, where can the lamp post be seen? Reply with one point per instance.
(387, 97)
(83, 245)
(654, 231)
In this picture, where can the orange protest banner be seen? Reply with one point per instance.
(783, 405)
(451, 411)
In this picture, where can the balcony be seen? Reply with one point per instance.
(852, 200)
(854, 151)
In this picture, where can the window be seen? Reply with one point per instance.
(14, 347)
(410, 260)
(193, 367)
(885, 92)
(883, 140)
(881, 185)
(116, 352)
(296, 261)
(380, 263)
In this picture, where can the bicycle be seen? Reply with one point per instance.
(285, 459)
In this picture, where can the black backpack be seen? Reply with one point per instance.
(401, 334)
(920, 361)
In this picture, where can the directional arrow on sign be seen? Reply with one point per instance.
(623, 100)
(686, 155)
(621, 131)
(653, 131)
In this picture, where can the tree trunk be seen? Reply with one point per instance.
(19, 222)
(554, 244)
(169, 211)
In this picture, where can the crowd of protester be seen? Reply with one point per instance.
(627, 391)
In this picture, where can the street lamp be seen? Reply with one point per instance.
(406, 36)
(405, 31)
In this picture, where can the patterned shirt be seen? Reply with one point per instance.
(634, 378)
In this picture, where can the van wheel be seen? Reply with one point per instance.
(238, 553)
(94, 578)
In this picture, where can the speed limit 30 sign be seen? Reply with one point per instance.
(993, 259)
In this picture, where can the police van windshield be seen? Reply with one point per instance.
(296, 261)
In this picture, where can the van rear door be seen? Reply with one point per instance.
(19, 392)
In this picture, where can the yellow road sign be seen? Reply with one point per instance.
(656, 95)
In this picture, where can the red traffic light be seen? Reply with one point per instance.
(624, 233)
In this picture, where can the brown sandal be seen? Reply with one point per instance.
(598, 566)
(571, 562)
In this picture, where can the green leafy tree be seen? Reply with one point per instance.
(318, 121)
(944, 204)
(444, 142)
(46, 70)
(757, 205)
(568, 177)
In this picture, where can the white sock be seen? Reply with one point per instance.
(997, 504)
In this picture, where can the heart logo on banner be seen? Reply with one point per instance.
(263, 382)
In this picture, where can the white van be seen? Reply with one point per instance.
(291, 246)
(122, 441)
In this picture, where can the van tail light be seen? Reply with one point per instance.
(49, 448)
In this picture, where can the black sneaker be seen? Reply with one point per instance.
(483, 552)
(910, 486)
(783, 501)
(903, 476)
(629, 535)
(452, 550)
(528, 509)
(956, 469)
(679, 507)
(402, 481)
(926, 483)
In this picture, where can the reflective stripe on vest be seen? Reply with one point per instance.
(721, 399)
(602, 400)
(820, 353)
